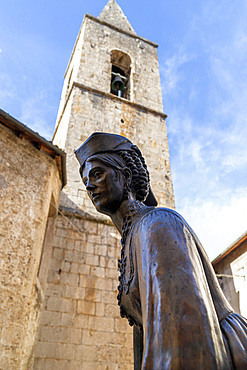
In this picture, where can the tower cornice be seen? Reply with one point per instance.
(109, 96)
(115, 97)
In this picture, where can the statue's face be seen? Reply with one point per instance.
(104, 186)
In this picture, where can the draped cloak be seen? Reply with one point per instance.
(171, 294)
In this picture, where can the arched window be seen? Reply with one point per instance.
(120, 74)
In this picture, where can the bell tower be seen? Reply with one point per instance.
(111, 84)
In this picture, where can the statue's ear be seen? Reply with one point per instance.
(127, 175)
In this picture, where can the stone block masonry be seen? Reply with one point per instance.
(87, 106)
(29, 191)
(80, 323)
(145, 128)
(81, 326)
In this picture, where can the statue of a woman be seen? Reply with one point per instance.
(167, 287)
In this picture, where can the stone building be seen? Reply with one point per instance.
(80, 325)
(66, 263)
(32, 173)
(231, 269)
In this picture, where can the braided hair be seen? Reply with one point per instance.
(140, 175)
(134, 161)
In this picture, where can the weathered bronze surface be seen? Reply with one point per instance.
(167, 287)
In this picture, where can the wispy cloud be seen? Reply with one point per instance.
(171, 70)
(205, 97)
(217, 223)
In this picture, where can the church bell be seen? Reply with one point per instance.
(118, 84)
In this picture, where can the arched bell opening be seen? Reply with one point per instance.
(120, 74)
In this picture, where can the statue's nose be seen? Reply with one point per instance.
(90, 186)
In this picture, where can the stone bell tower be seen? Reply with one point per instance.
(107, 47)
(111, 84)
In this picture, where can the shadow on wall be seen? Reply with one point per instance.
(227, 285)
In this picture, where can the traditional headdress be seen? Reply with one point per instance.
(101, 142)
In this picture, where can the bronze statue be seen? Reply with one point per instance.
(167, 287)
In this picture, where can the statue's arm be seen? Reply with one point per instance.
(180, 326)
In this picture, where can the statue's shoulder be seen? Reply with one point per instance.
(158, 227)
(160, 212)
(163, 220)
(153, 217)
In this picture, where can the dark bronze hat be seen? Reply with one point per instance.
(102, 142)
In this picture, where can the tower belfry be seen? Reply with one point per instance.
(111, 84)
(107, 48)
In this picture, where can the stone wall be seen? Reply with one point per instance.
(232, 275)
(87, 106)
(80, 325)
(93, 111)
(90, 63)
(29, 179)
(95, 63)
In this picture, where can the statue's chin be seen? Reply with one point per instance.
(107, 208)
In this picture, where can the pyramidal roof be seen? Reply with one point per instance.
(113, 14)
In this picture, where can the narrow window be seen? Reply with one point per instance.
(120, 74)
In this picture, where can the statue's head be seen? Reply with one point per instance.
(113, 169)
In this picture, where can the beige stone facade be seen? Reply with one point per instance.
(59, 273)
(87, 104)
(81, 326)
(93, 111)
(30, 183)
(231, 269)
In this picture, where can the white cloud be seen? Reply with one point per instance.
(235, 161)
(217, 223)
(171, 69)
(207, 127)
(34, 113)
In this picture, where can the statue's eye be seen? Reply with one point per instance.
(97, 174)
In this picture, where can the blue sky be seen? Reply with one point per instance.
(202, 55)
